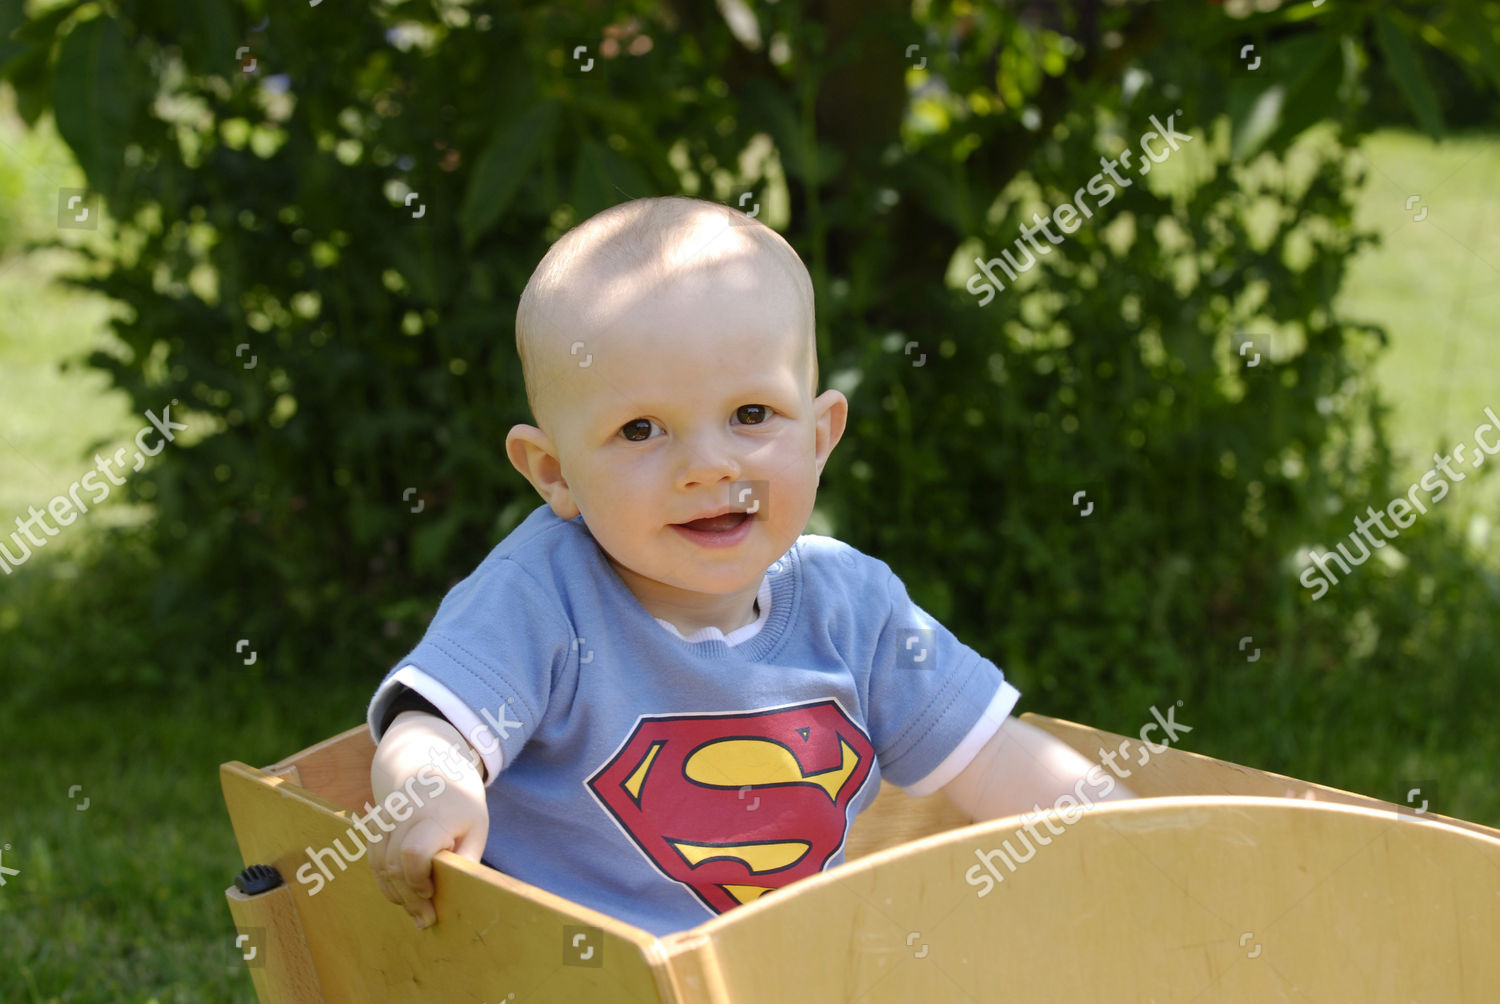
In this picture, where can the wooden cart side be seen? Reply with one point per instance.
(336, 769)
(691, 970)
(1221, 898)
(1166, 771)
(896, 818)
(267, 927)
(496, 935)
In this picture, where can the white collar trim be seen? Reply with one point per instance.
(738, 635)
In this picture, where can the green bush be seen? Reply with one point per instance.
(321, 258)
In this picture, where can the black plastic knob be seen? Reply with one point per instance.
(257, 879)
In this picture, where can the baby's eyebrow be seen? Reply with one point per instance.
(755, 394)
(632, 409)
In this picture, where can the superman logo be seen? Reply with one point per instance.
(733, 806)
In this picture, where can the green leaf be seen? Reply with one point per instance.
(90, 97)
(1481, 34)
(941, 196)
(26, 52)
(1296, 86)
(812, 162)
(602, 178)
(211, 30)
(1404, 67)
(1314, 98)
(11, 18)
(510, 154)
(432, 543)
(1257, 121)
(30, 76)
(40, 30)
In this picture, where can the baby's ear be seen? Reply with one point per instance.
(832, 410)
(531, 452)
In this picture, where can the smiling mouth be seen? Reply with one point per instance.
(716, 524)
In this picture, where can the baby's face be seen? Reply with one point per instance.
(689, 397)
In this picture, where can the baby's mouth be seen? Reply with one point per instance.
(717, 524)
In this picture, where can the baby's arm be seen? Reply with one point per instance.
(445, 792)
(1023, 767)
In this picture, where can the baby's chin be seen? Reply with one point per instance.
(699, 582)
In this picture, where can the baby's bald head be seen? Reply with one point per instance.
(611, 264)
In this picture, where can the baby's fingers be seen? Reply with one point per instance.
(411, 869)
(401, 855)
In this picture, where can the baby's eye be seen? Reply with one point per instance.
(752, 414)
(637, 430)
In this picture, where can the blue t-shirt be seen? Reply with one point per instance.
(664, 780)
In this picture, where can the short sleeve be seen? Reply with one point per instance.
(931, 696)
(489, 661)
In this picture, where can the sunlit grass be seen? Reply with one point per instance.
(1435, 284)
(52, 419)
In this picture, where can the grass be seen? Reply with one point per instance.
(123, 900)
(122, 843)
(54, 416)
(1435, 284)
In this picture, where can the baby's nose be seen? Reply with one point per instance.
(709, 460)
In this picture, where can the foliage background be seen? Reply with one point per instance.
(262, 214)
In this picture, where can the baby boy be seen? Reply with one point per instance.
(666, 700)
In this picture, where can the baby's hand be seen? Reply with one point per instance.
(438, 805)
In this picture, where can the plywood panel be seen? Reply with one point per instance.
(1169, 899)
(496, 936)
(896, 818)
(338, 769)
(271, 929)
(1178, 772)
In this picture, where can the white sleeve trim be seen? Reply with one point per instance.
(963, 754)
(456, 711)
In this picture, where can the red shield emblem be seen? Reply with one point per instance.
(733, 806)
